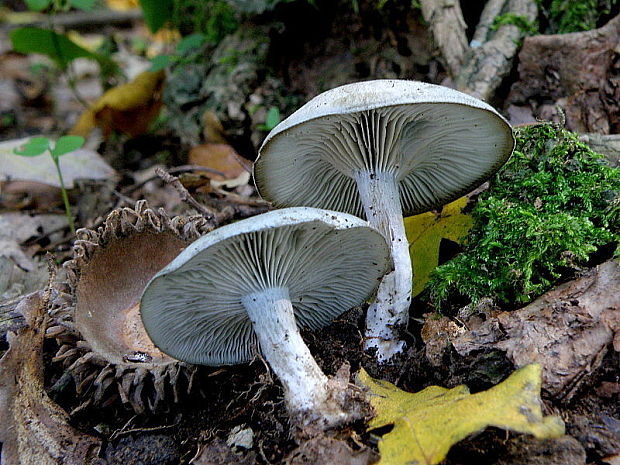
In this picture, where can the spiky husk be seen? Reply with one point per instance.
(94, 315)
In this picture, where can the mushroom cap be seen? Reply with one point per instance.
(439, 144)
(328, 261)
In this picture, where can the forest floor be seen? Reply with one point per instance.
(202, 120)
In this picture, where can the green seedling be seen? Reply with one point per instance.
(272, 120)
(39, 145)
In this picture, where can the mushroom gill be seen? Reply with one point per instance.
(96, 322)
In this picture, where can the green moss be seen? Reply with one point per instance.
(545, 213)
(576, 15)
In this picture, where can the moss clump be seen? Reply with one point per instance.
(566, 16)
(545, 213)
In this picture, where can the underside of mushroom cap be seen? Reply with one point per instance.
(97, 323)
(438, 143)
(328, 262)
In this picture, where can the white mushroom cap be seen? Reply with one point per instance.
(328, 261)
(439, 143)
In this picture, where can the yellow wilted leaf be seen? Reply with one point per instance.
(424, 233)
(429, 422)
(129, 108)
(122, 5)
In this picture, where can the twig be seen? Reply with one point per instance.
(178, 169)
(86, 19)
(209, 214)
(445, 18)
(486, 66)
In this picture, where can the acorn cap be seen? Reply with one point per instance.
(327, 261)
(97, 323)
(440, 144)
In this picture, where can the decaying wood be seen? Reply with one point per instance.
(448, 26)
(578, 71)
(34, 430)
(568, 330)
(606, 144)
(477, 68)
(489, 59)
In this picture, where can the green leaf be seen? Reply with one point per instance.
(429, 422)
(273, 118)
(34, 147)
(190, 42)
(156, 12)
(85, 5)
(56, 46)
(160, 62)
(38, 5)
(67, 144)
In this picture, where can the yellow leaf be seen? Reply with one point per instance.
(424, 233)
(129, 108)
(122, 5)
(429, 422)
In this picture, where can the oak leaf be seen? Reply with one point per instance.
(429, 422)
(425, 232)
(129, 108)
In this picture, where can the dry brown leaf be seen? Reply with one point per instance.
(567, 330)
(223, 158)
(129, 108)
(34, 430)
(213, 131)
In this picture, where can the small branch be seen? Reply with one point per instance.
(492, 10)
(86, 19)
(448, 27)
(486, 66)
(210, 215)
(177, 169)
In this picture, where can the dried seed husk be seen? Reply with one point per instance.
(95, 315)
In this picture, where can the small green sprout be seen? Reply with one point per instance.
(39, 145)
(272, 119)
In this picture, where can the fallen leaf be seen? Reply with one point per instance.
(20, 272)
(79, 164)
(129, 108)
(425, 232)
(213, 130)
(35, 430)
(122, 5)
(222, 158)
(429, 422)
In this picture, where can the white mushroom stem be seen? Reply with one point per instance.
(390, 311)
(305, 385)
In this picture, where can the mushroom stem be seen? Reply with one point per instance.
(390, 311)
(305, 386)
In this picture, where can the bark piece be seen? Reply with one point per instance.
(580, 67)
(568, 330)
(34, 429)
(608, 145)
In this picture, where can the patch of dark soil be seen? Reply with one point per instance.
(248, 397)
(335, 44)
(153, 449)
(594, 418)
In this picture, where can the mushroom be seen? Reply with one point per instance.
(252, 283)
(383, 149)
